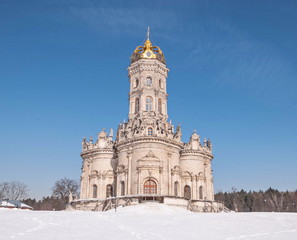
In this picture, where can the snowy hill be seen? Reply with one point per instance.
(145, 221)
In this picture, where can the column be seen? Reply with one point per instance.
(169, 154)
(138, 187)
(126, 182)
(194, 188)
(161, 182)
(129, 171)
(100, 186)
(88, 179)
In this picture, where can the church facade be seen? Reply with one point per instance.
(147, 158)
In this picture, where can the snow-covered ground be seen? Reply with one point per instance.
(145, 221)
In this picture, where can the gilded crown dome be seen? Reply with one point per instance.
(147, 51)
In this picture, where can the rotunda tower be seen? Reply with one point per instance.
(147, 75)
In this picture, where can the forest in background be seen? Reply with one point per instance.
(270, 200)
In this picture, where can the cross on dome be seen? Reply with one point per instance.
(148, 33)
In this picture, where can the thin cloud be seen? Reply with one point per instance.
(241, 61)
(124, 19)
(210, 43)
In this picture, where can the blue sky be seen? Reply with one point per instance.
(233, 68)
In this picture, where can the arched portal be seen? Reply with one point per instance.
(150, 187)
(109, 190)
(187, 192)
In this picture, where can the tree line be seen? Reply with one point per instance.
(270, 200)
(57, 201)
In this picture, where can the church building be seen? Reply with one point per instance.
(147, 160)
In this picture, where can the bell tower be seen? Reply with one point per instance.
(148, 75)
(148, 115)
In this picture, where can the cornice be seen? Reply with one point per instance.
(148, 66)
(97, 151)
(186, 152)
(148, 139)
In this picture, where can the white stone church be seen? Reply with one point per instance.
(146, 160)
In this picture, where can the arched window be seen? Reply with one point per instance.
(136, 105)
(200, 192)
(150, 187)
(150, 131)
(109, 190)
(94, 191)
(187, 192)
(149, 104)
(176, 188)
(136, 83)
(160, 83)
(148, 81)
(160, 105)
(122, 188)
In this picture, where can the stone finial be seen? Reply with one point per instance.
(102, 134)
(209, 144)
(178, 133)
(84, 144)
(91, 139)
(178, 128)
(195, 136)
(194, 141)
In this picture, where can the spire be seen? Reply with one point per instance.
(148, 33)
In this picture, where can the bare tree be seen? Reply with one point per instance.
(4, 186)
(63, 187)
(13, 190)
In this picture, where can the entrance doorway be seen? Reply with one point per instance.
(150, 187)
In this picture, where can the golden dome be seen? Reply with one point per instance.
(147, 51)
